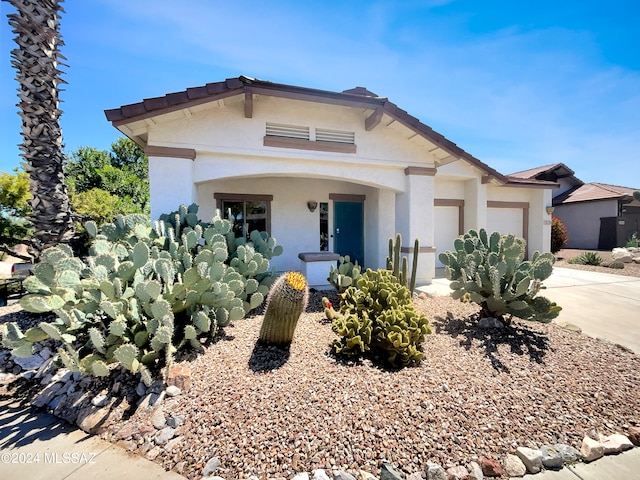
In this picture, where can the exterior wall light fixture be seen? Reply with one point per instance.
(312, 205)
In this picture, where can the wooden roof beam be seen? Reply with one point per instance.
(373, 120)
(248, 104)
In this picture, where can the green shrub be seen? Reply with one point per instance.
(634, 241)
(490, 271)
(143, 293)
(586, 258)
(377, 315)
(559, 235)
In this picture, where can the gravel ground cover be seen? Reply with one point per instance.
(478, 393)
(562, 257)
(271, 413)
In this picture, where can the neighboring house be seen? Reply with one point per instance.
(597, 215)
(322, 170)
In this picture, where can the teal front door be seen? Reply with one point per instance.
(348, 227)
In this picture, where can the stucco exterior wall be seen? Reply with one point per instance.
(293, 225)
(171, 184)
(583, 221)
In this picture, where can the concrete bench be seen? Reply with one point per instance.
(316, 267)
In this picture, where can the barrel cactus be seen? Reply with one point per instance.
(287, 300)
(490, 270)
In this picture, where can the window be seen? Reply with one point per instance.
(324, 227)
(246, 212)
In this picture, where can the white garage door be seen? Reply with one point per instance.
(446, 229)
(505, 221)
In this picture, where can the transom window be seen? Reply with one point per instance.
(246, 212)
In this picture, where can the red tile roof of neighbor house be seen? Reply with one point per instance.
(355, 97)
(593, 191)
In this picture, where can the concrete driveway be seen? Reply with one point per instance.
(601, 304)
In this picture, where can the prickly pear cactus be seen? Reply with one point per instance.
(287, 300)
(345, 275)
(490, 270)
(141, 293)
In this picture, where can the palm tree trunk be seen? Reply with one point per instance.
(36, 60)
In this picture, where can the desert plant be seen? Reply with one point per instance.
(377, 315)
(287, 300)
(489, 270)
(586, 258)
(142, 293)
(345, 275)
(559, 235)
(400, 266)
(634, 241)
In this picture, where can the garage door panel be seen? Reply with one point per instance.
(505, 221)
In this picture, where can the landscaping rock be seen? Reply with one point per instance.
(362, 475)
(491, 467)
(34, 362)
(90, 419)
(634, 435)
(568, 453)
(551, 457)
(211, 466)
(622, 255)
(435, 472)
(615, 443)
(173, 391)
(158, 419)
(475, 471)
(387, 472)
(513, 466)
(176, 421)
(180, 376)
(320, 474)
(591, 449)
(457, 473)
(342, 475)
(490, 322)
(531, 458)
(301, 476)
(164, 435)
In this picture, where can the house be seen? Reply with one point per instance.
(597, 216)
(325, 171)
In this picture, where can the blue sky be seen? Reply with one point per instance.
(516, 84)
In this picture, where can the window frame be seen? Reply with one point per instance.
(245, 197)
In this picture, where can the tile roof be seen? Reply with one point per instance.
(358, 97)
(534, 172)
(593, 191)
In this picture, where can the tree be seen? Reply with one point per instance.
(14, 210)
(36, 60)
(103, 184)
